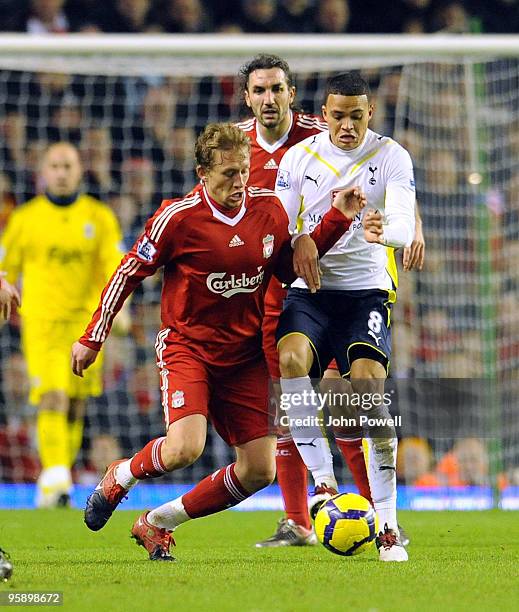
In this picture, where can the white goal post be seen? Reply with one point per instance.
(173, 54)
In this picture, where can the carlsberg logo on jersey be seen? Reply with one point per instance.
(227, 287)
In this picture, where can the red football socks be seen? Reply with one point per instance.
(354, 456)
(147, 463)
(292, 478)
(219, 491)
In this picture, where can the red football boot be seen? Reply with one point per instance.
(104, 500)
(155, 540)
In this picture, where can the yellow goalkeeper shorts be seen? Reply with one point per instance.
(47, 347)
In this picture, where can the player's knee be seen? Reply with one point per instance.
(293, 363)
(259, 477)
(366, 370)
(57, 401)
(369, 382)
(180, 454)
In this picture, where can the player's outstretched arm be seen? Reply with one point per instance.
(154, 247)
(9, 297)
(82, 358)
(414, 255)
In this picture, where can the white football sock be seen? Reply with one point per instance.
(56, 478)
(169, 516)
(311, 441)
(124, 476)
(382, 479)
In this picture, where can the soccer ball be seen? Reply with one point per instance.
(346, 524)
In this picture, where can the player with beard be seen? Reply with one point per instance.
(269, 92)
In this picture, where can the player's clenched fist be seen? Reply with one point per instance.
(82, 358)
(373, 226)
(350, 201)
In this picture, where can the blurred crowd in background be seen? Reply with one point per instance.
(136, 137)
(259, 16)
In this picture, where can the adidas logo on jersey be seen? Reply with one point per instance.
(270, 165)
(236, 241)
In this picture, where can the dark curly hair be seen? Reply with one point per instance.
(265, 61)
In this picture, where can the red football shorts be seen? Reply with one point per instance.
(270, 348)
(235, 398)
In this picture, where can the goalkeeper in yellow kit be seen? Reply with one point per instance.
(63, 245)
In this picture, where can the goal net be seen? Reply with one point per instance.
(134, 105)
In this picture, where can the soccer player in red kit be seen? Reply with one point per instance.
(219, 247)
(269, 92)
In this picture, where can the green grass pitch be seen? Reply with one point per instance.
(458, 561)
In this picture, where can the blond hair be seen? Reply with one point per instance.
(219, 137)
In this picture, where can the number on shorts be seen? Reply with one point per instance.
(375, 321)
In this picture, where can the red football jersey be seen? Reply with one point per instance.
(265, 160)
(265, 157)
(216, 269)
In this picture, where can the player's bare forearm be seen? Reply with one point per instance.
(82, 358)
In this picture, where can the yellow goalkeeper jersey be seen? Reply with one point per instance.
(63, 254)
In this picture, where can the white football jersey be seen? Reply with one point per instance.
(310, 174)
